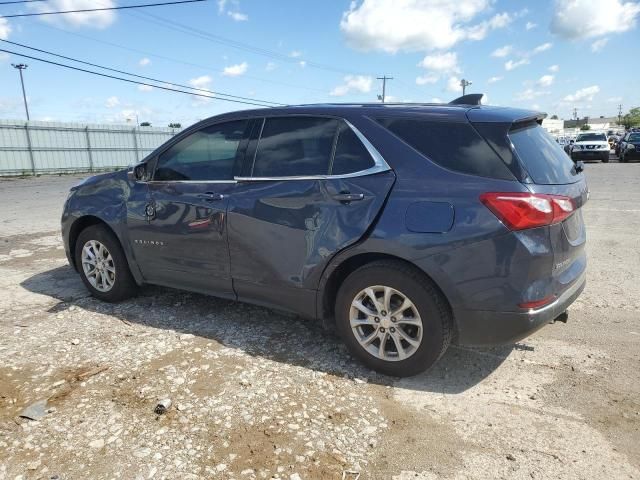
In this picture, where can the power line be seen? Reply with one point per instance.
(139, 76)
(171, 59)
(190, 30)
(132, 81)
(37, 14)
(21, 1)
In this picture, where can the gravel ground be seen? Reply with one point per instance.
(259, 394)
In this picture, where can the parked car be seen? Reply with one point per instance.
(630, 147)
(405, 227)
(590, 146)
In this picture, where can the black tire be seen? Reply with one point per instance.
(434, 311)
(124, 286)
(622, 159)
(605, 160)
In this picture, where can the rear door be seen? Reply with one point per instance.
(311, 187)
(183, 243)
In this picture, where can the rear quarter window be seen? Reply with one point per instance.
(541, 156)
(455, 146)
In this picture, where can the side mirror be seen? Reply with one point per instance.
(138, 172)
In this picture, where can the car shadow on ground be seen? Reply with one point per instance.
(262, 332)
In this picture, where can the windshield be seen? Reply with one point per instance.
(591, 137)
(635, 137)
(543, 158)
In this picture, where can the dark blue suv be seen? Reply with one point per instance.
(405, 226)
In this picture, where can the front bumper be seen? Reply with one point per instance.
(484, 328)
(590, 155)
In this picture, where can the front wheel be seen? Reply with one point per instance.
(102, 265)
(393, 318)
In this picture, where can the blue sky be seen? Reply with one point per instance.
(542, 54)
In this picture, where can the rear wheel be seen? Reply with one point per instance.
(102, 265)
(393, 318)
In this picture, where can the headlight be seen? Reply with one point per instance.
(603, 147)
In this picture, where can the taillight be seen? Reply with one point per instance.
(519, 211)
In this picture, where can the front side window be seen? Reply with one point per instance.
(206, 155)
(294, 146)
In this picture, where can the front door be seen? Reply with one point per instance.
(183, 243)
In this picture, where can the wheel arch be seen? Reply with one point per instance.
(332, 280)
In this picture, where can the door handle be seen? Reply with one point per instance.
(346, 197)
(211, 196)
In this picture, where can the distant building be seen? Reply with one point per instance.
(553, 126)
(596, 123)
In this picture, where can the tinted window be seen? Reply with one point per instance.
(456, 146)
(294, 146)
(351, 155)
(208, 154)
(543, 158)
(591, 137)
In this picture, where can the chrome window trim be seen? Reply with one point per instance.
(188, 181)
(379, 164)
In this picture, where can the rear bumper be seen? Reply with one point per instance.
(484, 328)
(590, 155)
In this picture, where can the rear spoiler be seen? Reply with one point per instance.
(469, 99)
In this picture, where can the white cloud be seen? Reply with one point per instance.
(513, 64)
(112, 102)
(598, 45)
(4, 57)
(502, 51)
(144, 62)
(436, 100)
(353, 83)
(414, 25)
(302, 63)
(545, 81)
(100, 19)
(495, 79)
(441, 62)
(427, 79)
(530, 25)
(535, 106)
(145, 88)
(295, 54)
(270, 66)
(614, 99)
(238, 17)
(542, 48)
(203, 81)
(554, 68)
(5, 28)
(593, 18)
(530, 94)
(235, 70)
(235, 14)
(453, 84)
(584, 94)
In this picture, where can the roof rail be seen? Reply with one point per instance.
(469, 99)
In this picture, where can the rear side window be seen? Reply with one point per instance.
(542, 157)
(456, 146)
(294, 146)
(351, 155)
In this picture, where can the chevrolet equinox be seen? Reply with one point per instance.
(404, 226)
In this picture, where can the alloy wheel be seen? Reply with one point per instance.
(386, 323)
(98, 266)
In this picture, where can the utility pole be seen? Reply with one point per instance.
(464, 84)
(384, 79)
(20, 67)
(575, 113)
(619, 114)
